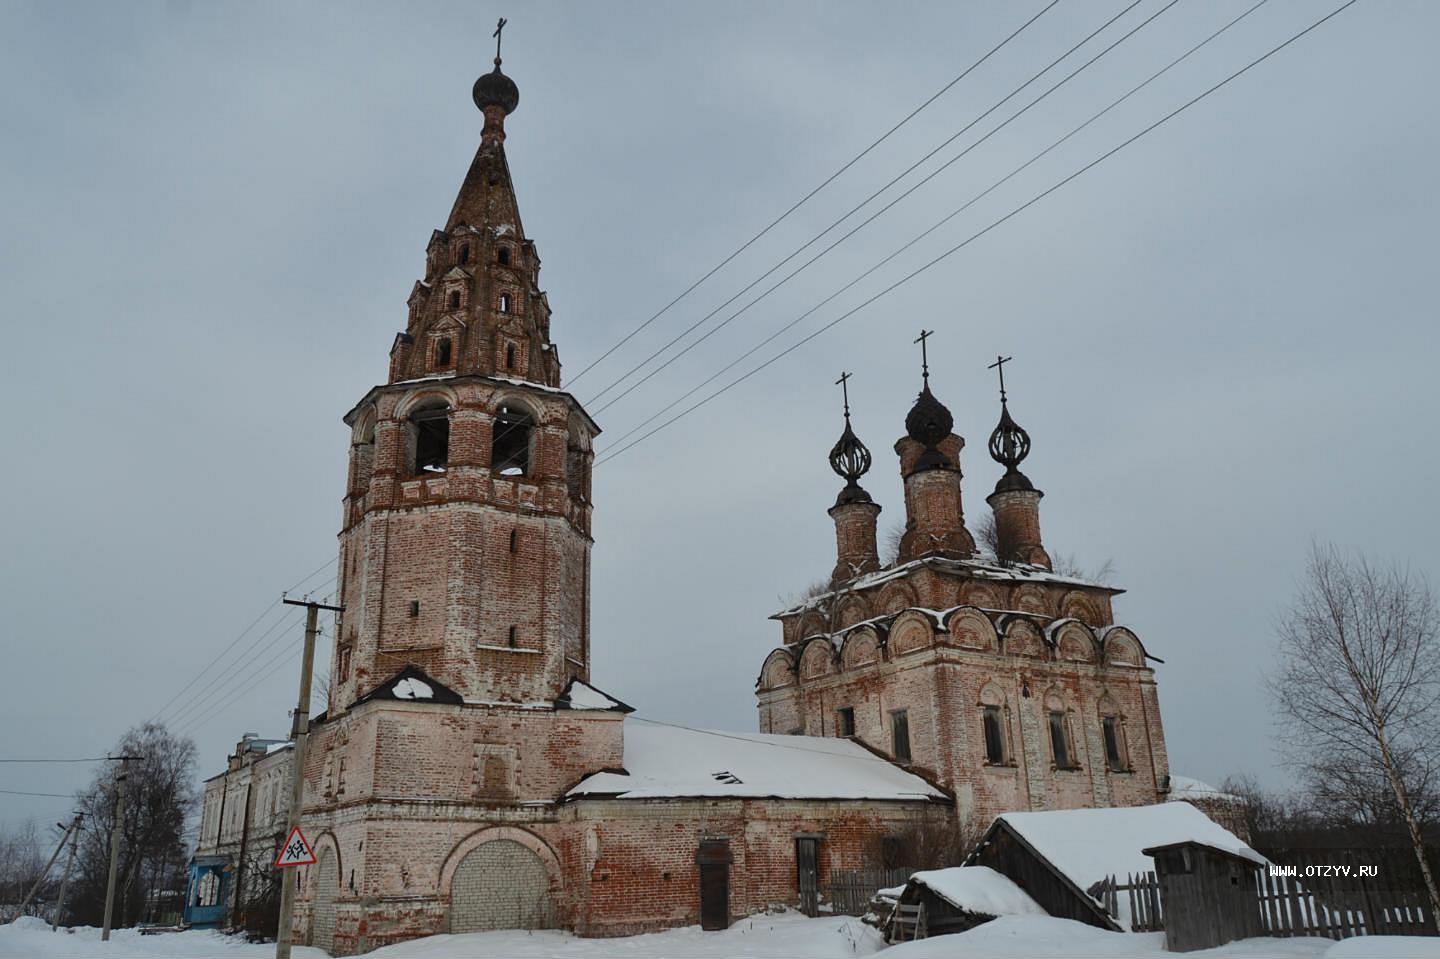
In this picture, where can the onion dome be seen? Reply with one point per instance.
(849, 458)
(929, 422)
(1009, 444)
(495, 89)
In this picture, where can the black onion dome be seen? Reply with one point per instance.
(1009, 445)
(928, 421)
(495, 89)
(850, 459)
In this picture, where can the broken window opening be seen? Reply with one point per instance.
(509, 356)
(454, 299)
(513, 631)
(514, 539)
(1114, 754)
(900, 734)
(1059, 741)
(504, 302)
(442, 352)
(432, 439)
(502, 256)
(510, 455)
(845, 720)
(414, 608)
(464, 253)
(994, 736)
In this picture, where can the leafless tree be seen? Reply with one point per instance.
(22, 856)
(1357, 686)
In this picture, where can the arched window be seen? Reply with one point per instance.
(510, 356)
(510, 454)
(454, 299)
(992, 727)
(442, 352)
(1060, 744)
(504, 302)
(502, 256)
(431, 426)
(464, 253)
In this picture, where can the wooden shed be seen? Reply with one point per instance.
(1208, 895)
(1009, 853)
(940, 901)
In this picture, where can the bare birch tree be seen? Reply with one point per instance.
(1357, 688)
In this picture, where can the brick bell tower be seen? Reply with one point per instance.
(465, 548)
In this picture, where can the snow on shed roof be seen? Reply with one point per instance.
(670, 761)
(979, 889)
(1184, 787)
(1088, 845)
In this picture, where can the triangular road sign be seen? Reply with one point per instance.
(296, 851)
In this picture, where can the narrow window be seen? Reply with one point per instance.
(1059, 743)
(464, 253)
(845, 720)
(510, 356)
(414, 608)
(502, 256)
(442, 353)
(900, 734)
(514, 539)
(454, 299)
(432, 439)
(512, 637)
(1114, 755)
(994, 736)
(511, 447)
(504, 302)
(344, 671)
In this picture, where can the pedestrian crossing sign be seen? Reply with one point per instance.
(296, 851)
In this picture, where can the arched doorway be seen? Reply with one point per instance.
(500, 885)
(327, 884)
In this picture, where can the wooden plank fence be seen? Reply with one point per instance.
(852, 889)
(1288, 906)
(1140, 897)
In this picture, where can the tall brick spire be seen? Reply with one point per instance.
(479, 308)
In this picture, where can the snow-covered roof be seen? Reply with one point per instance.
(978, 568)
(670, 761)
(1184, 787)
(1088, 845)
(580, 695)
(979, 889)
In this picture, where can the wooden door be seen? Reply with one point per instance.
(807, 875)
(715, 896)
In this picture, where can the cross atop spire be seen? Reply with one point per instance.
(844, 385)
(924, 354)
(999, 365)
(498, 27)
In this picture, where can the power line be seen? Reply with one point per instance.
(17, 792)
(939, 223)
(93, 759)
(218, 681)
(826, 182)
(911, 189)
(975, 236)
(851, 212)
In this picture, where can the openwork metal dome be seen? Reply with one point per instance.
(849, 458)
(1009, 445)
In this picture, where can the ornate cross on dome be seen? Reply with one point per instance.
(845, 391)
(498, 27)
(924, 355)
(999, 365)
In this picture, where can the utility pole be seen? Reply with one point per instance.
(46, 871)
(69, 864)
(299, 732)
(115, 831)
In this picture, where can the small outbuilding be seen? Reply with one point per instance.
(941, 901)
(1209, 894)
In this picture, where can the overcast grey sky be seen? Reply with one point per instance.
(1224, 337)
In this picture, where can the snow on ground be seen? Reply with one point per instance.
(979, 889)
(784, 936)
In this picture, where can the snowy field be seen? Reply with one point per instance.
(787, 936)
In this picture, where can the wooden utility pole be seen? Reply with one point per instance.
(115, 830)
(46, 871)
(65, 879)
(299, 732)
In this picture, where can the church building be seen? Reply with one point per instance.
(467, 775)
